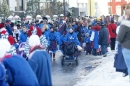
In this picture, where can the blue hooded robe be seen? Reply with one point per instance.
(3, 76)
(54, 41)
(40, 62)
(96, 37)
(23, 37)
(72, 38)
(19, 72)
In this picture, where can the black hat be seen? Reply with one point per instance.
(45, 19)
(37, 21)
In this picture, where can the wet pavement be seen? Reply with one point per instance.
(68, 75)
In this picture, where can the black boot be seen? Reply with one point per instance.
(54, 56)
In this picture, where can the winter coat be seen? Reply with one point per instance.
(9, 29)
(23, 37)
(72, 37)
(53, 36)
(19, 72)
(87, 40)
(103, 36)
(40, 62)
(124, 34)
(3, 76)
(111, 28)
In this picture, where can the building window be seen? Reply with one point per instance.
(82, 4)
(118, 10)
(96, 5)
(86, 5)
(110, 10)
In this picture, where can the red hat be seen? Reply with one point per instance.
(2, 25)
(3, 31)
(11, 40)
(38, 32)
(97, 28)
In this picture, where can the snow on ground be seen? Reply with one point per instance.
(105, 75)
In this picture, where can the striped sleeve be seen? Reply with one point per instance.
(27, 47)
(43, 41)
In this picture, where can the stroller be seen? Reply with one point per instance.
(70, 53)
(21, 49)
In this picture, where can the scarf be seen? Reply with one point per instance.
(36, 47)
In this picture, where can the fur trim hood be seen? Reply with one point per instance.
(126, 23)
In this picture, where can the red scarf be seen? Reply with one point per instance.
(36, 47)
(6, 56)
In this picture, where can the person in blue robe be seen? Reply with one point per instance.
(45, 32)
(40, 62)
(87, 42)
(3, 75)
(9, 28)
(26, 24)
(74, 26)
(71, 37)
(54, 42)
(19, 72)
(23, 35)
(94, 38)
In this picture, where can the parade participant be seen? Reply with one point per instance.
(124, 39)
(71, 37)
(23, 35)
(9, 28)
(94, 39)
(26, 24)
(37, 23)
(36, 31)
(45, 20)
(45, 32)
(3, 49)
(74, 26)
(16, 34)
(40, 61)
(87, 42)
(119, 62)
(112, 31)
(5, 35)
(103, 39)
(54, 41)
(18, 71)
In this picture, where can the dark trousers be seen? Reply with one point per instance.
(104, 49)
(113, 43)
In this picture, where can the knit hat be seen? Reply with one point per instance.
(4, 34)
(4, 47)
(35, 31)
(33, 42)
(45, 19)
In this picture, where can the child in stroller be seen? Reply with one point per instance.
(70, 53)
(21, 49)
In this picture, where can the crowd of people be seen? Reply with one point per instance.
(31, 64)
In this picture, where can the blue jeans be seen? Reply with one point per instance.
(126, 54)
(104, 49)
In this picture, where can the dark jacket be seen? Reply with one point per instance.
(124, 34)
(103, 36)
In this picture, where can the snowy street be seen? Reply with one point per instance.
(70, 75)
(105, 75)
